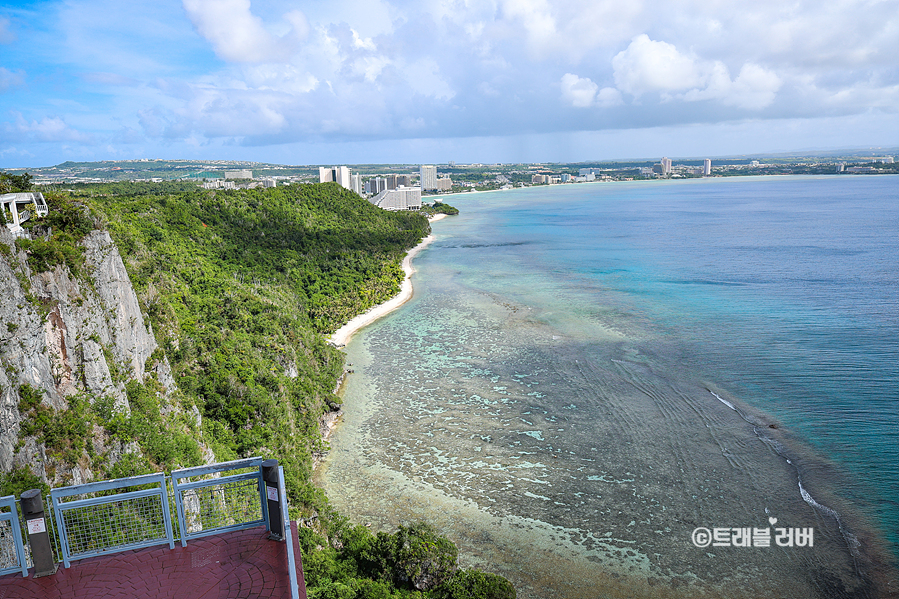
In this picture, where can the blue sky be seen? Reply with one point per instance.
(364, 81)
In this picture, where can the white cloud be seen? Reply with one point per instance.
(581, 92)
(609, 96)
(298, 23)
(884, 97)
(237, 35)
(369, 17)
(369, 67)
(48, 129)
(649, 66)
(536, 16)
(221, 112)
(567, 29)
(424, 77)
(577, 91)
(363, 44)
(13, 151)
(283, 78)
(754, 88)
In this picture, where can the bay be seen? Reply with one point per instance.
(589, 373)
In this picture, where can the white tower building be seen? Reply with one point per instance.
(338, 174)
(428, 177)
(666, 166)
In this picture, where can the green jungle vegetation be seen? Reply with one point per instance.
(439, 207)
(12, 183)
(241, 287)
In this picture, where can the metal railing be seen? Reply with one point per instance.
(107, 520)
(214, 504)
(107, 517)
(12, 549)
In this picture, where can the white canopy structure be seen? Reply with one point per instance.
(15, 208)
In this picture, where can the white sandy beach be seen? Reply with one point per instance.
(343, 335)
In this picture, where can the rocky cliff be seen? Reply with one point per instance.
(70, 339)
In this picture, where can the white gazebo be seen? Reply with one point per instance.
(15, 209)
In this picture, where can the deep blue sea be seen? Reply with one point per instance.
(589, 373)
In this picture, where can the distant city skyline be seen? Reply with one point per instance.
(393, 81)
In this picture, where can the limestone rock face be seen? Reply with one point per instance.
(62, 335)
(130, 336)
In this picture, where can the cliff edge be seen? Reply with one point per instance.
(70, 342)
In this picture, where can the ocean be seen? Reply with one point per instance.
(644, 389)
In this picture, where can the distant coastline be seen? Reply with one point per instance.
(342, 336)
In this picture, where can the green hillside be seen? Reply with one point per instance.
(240, 287)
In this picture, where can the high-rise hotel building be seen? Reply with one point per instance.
(338, 174)
(428, 177)
(666, 166)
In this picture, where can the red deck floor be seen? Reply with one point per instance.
(237, 565)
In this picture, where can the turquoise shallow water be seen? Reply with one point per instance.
(588, 373)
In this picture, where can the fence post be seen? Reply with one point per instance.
(270, 474)
(38, 537)
(291, 561)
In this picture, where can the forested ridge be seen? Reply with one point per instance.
(241, 288)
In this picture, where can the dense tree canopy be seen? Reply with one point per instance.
(241, 285)
(10, 183)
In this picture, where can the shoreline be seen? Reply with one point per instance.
(342, 336)
(805, 483)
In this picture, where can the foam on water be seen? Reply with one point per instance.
(724, 401)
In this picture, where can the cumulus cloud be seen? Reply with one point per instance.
(754, 88)
(581, 92)
(568, 29)
(536, 16)
(237, 35)
(648, 66)
(609, 96)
